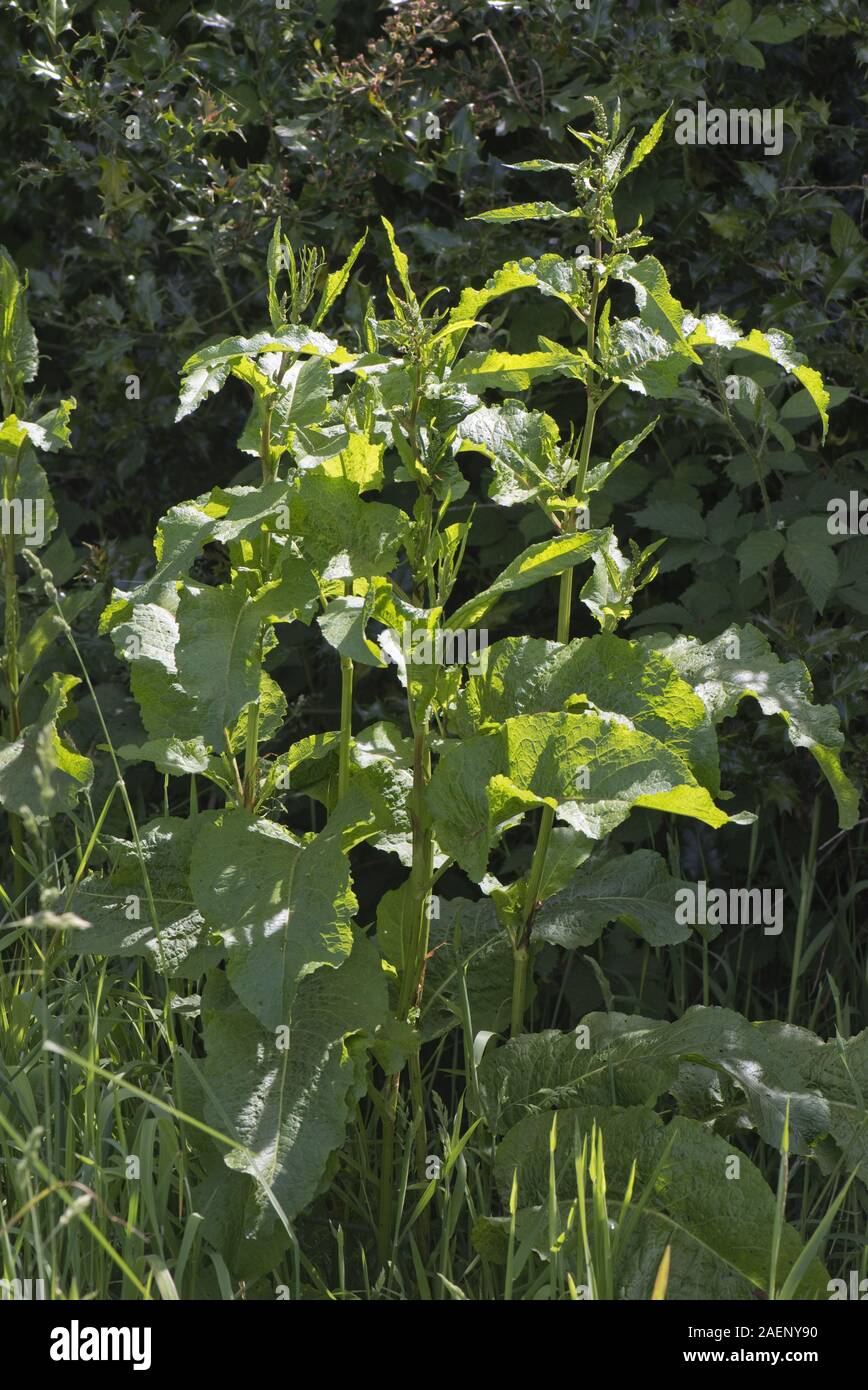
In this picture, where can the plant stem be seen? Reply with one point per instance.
(520, 958)
(414, 953)
(346, 724)
(387, 1167)
(809, 869)
(421, 1142)
(251, 755)
(10, 637)
(421, 878)
(414, 945)
(11, 625)
(521, 945)
(346, 717)
(251, 747)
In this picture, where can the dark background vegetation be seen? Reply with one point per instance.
(328, 114)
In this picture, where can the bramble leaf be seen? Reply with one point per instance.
(757, 551)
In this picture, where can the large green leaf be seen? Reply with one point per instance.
(49, 433)
(510, 371)
(343, 536)
(146, 639)
(648, 142)
(779, 348)
(343, 626)
(195, 672)
(506, 280)
(658, 308)
(299, 402)
(174, 757)
(288, 1100)
(524, 212)
(740, 662)
(19, 354)
(601, 472)
(593, 770)
(720, 1229)
(206, 371)
(466, 938)
(838, 1070)
(336, 281)
(41, 774)
(402, 264)
(529, 675)
(547, 1071)
(772, 1066)
(292, 594)
(644, 359)
(217, 656)
(550, 274)
(30, 517)
(381, 771)
(359, 460)
(719, 1067)
(635, 888)
(541, 561)
(381, 776)
(559, 278)
(602, 593)
(175, 938)
(522, 445)
(774, 345)
(224, 514)
(288, 770)
(284, 908)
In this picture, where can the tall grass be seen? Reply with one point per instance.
(98, 1167)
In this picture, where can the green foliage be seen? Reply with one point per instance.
(41, 773)
(357, 852)
(720, 1230)
(579, 731)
